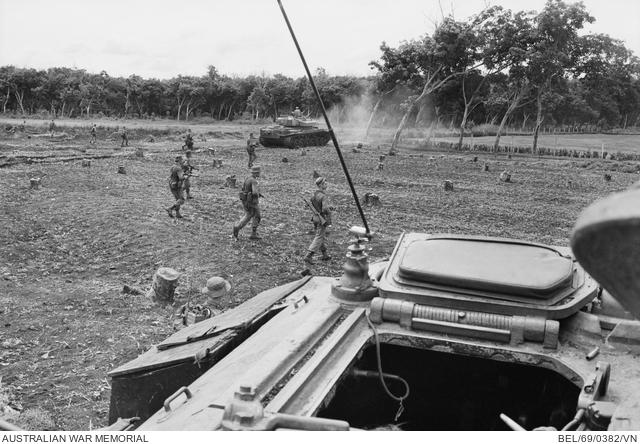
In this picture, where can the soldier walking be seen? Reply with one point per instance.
(252, 143)
(321, 220)
(188, 141)
(250, 196)
(125, 140)
(52, 128)
(93, 134)
(187, 169)
(176, 178)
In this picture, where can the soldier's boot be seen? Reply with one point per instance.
(178, 215)
(254, 234)
(236, 230)
(309, 258)
(170, 211)
(325, 256)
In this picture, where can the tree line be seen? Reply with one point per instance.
(498, 67)
(66, 92)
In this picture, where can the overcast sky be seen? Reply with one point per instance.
(162, 38)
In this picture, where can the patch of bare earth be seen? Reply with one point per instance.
(67, 249)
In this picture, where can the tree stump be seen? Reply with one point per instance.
(485, 167)
(607, 177)
(382, 157)
(448, 185)
(285, 160)
(165, 281)
(34, 183)
(316, 174)
(505, 176)
(355, 150)
(219, 163)
(475, 158)
(121, 170)
(303, 152)
(371, 199)
(380, 166)
(230, 181)
(139, 152)
(86, 162)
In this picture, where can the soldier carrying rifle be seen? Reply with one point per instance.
(188, 141)
(250, 197)
(176, 178)
(252, 143)
(187, 170)
(319, 206)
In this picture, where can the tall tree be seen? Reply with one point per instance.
(554, 50)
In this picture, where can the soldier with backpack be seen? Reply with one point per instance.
(250, 198)
(321, 220)
(252, 143)
(176, 179)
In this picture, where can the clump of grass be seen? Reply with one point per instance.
(29, 419)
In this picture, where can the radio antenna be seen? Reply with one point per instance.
(326, 119)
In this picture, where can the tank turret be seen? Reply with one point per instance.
(293, 132)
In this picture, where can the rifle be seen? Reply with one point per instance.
(314, 210)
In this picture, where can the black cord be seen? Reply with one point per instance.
(382, 375)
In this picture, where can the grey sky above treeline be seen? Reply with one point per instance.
(164, 38)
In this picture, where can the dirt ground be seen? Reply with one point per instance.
(68, 248)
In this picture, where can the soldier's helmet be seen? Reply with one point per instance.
(216, 287)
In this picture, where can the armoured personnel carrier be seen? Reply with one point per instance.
(451, 333)
(293, 132)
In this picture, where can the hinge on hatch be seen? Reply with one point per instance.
(490, 326)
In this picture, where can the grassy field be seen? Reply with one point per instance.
(68, 248)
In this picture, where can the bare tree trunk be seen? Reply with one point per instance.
(373, 113)
(221, 110)
(230, 110)
(524, 121)
(180, 103)
(20, 97)
(465, 116)
(127, 103)
(515, 102)
(6, 100)
(188, 110)
(396, 136)
(539, 119)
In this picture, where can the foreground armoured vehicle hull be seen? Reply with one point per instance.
(474, 327)
(291, 132)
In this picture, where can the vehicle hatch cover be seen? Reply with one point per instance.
(487, 264)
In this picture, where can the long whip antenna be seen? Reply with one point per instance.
(326, 119)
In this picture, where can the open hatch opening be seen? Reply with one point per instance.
(451, 392)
